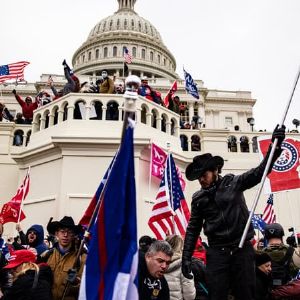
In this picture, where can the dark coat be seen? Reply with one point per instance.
(151, 288)
(23, 288)
(222, 210)
(263, 286)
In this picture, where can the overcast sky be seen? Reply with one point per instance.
(229, 44)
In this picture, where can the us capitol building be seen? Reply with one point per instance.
(68, 156)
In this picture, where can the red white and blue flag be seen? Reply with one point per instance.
(127, 56)
(285, 174)
(170, 214)
(13, 71)
(269, 216)
(110, 272)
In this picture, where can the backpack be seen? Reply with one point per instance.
(281, 259)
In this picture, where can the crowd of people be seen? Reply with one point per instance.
(104, 85)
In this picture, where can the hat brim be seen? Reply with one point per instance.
(53, 227)
(12, 265)
(193, 171)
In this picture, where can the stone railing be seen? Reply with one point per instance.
(103, 107)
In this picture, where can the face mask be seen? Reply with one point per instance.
(104, 74)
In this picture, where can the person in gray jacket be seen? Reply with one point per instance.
(180, 287)
(220, 208)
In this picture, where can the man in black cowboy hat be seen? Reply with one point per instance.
(220, 208)
(62, 257)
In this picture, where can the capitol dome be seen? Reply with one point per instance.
(105, 45)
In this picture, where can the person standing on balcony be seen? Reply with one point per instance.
(27, 107)
(220, 208)
(5, 114)
(107, 86)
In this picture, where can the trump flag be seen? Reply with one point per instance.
(110, 272)
(158, 162)
(285, 174)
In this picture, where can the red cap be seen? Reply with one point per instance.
(18, 257)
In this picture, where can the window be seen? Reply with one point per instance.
(114, 51)
(83, 58)
(90, 55)
(105, 51)
(158, 58)
(228, 121)
(143, 53)
(97, 53)
(134, 51)
(151, 56)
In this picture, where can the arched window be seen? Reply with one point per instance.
(158, 58)
(164, 61)
(28, 137)
(90, 55)
(97, 105)
(79, 110)
(112, 111)
(143, 53)
(18, 138)
(151, 55)
(105, 51)
(244, 142)
(144, 115)
(154, 118)
(232, 145)
(97, 53)
(195, 146)
(134, 51)
(163, 123)
(83, 58)
(115, 51)
(184, 142)
(254, 145)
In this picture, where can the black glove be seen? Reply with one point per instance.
(64, 62)
(186, 268)
(279, 133)
(72, 274)
(14, 91)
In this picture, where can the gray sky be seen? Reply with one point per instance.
(230, 45)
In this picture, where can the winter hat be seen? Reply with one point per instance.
(262, 258)
(20, 256)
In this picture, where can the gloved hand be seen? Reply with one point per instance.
(279, 133)
(186, 269)
(72, 275)
(64, 63)
(14, 91)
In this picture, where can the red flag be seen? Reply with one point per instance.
(11, 210)
(170, 213)
(13, 71)
(285, 174)
(158, 162)
(170, 93)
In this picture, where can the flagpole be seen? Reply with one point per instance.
(254, 204)
(23, 196)
(132, 84)
(171, 185)
(150, 169)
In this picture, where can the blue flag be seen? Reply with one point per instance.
(190, 85)
(111, 266)
(258, 223)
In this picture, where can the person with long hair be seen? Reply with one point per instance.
(29, 280)
(180, 286)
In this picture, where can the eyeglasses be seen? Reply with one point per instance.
(66, 231)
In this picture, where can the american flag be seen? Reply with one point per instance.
(127, 56)
(269, 215)
(170, 213)
(13, 71)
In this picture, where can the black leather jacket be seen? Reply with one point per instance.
(222, 212)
